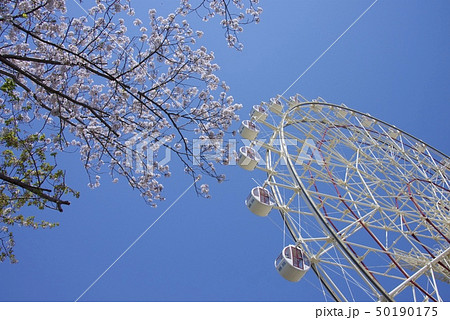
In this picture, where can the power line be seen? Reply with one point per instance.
(327, 49)
(135, 241)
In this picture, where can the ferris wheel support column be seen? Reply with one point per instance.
(420, 272)
(341, 246)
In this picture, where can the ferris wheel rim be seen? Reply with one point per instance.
(301, 104)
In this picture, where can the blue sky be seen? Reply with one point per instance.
(394, 64)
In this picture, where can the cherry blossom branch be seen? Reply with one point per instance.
(36, 190)
(51, 90)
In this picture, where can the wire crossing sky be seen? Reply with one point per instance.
(137, 239)
(327, 49)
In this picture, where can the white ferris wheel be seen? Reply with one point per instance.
(366, 204)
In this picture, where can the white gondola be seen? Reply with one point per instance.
(258, 113)
(276, 107)
(248, 158)
(316, 107)
(341, 113)
(292, 263)
(393, 133)
(259, 201)
(248, 130)
(367, 122)
(420, 147)
(445, 164)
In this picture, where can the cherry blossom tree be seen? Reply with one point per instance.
(101, 84)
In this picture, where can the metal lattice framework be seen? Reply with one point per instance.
(368, 202)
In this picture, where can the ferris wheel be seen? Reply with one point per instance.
(366, 205)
